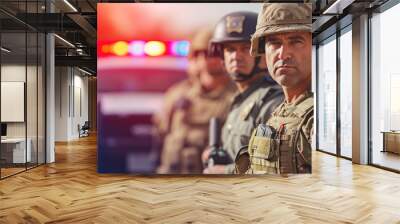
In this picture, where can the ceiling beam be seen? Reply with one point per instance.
(84, 61)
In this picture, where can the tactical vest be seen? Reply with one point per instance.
(282, 145)
(245, 115)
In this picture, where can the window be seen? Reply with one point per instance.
(22, 78)
(346, 92)
(327, 95)
(385, 89)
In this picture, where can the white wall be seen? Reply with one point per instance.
(61, 103)
(71, 93)
(16, 73)
(13, 73)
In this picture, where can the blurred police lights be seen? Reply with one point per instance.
(140, 48)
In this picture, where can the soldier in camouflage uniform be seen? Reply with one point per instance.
(209, 96)
(283, 144)
(258, 94)
(174, 96)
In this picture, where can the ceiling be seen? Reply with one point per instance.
(76, 22)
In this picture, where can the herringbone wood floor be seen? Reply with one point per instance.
(70, 191)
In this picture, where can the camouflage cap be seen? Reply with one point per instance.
(200, 40)
(280, 18)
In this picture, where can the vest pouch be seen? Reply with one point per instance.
(286, 156)
(263, 144)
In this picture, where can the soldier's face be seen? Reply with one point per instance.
(288, 57)
(193, 69)
(237, 58)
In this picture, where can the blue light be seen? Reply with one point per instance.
(180, 48)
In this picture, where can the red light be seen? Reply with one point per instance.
(105, 49)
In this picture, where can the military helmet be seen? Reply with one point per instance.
(233, 27)
(277, 18)
(199, 41)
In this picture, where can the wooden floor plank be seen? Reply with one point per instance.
(71, 191)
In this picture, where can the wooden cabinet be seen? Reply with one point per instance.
(391, 142)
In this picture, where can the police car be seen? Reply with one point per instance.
(133, 77)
